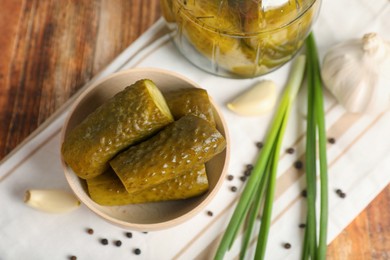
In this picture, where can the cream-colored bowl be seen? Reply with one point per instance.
(148, 216)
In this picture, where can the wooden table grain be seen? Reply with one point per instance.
(50, 48)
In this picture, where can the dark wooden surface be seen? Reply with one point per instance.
(50, 48)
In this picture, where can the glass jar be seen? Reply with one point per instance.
(239, 38)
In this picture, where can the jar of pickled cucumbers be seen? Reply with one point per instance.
(239, 38)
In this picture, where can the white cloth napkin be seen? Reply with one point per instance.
(359, 163)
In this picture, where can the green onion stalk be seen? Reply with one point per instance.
(314, 246)
(260, 187)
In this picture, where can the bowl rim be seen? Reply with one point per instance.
(137, 226)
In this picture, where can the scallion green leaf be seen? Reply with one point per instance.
(269, 152)
(315, 125)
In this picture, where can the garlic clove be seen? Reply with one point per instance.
(53, 201)
(257, 100)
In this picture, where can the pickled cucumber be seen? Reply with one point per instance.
(245, 37)
(206, 26)
(281, 37)
(190, 101)
(188, 141)
(130, 116)
(107, 189)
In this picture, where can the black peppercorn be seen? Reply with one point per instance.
(118, 243)
(129, 234)
(230, 177)
(298, 165)
(243, 178)
(210, 213)
(247, 173)
(233, 188)
(104, 241)
(302, 225)
(304, 193)
(290, 150)
(259, 145)
(73, 257)
(137, 251)
(249, 167)
(341, 193)
(331, 140)
(287, 245)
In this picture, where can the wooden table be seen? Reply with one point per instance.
(50, 48)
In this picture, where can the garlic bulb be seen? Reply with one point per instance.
(257, 100)
(53, 201)
(357, 73)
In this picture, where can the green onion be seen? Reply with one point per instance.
(267, 211)
(315, 125)
(268, 159)
(310, 166)
(254, 212)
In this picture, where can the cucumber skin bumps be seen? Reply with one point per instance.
(130, 116)
(107, 189)
(183, 144)
(190, 101)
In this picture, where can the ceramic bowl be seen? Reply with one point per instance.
(148, 216)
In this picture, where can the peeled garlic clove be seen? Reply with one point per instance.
(53, 201)
(257, 100)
